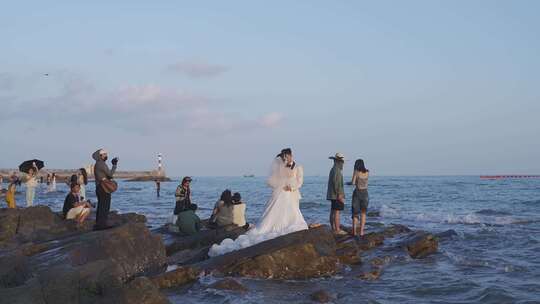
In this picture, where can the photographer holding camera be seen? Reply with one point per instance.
(104, 187)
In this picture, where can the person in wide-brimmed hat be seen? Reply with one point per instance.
(101, 173)
(336, 193)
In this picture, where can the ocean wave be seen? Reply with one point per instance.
(482, 217)
(492, 212)
(530, 203)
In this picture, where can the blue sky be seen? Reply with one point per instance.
(414, 88)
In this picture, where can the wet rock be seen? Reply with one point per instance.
(448, 234)
(373, 214)
(14, 269)
(205, 238)
(420, 244)
(176, 278)
(39, 224)
(348, 253)
(141, 291)
(372, 275)
(380, 261)
(300, 255)
(321, 296)
(395, 229)
(229, 284)
(188, 256)
(296, 262)
(9, 220)
(86, 268)
(370, 240)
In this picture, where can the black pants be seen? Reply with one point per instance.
(104, 205)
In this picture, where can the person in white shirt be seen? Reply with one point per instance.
(31, 184)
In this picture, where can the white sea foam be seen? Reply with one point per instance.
(472, 218)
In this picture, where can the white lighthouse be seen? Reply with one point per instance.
(160, 164)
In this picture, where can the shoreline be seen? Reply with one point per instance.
(66, 173)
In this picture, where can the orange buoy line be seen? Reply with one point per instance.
(508, 176)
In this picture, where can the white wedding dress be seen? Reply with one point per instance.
(281, 215)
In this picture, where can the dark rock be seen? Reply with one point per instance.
(9, 221)
(188, 256)
(141, 291)
(295, 262)
(372, 275)
(380, 261)
(300, 255)
(321, 296)
(205, 238)
(176, 278)
(448, 234)
(39, 224)
(14, 269)
(373, 214)
(395, 229)
(420, 244)
(86, 268)
(229, 284)
(349, 253)
(370, 240)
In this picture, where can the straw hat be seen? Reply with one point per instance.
(338, 156)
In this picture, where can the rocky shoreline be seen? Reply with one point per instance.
(45, 259)
(62, 174)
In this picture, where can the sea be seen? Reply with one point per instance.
(493, 258)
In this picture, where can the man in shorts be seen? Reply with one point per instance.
(336, 193)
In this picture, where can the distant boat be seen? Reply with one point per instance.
(249, 175)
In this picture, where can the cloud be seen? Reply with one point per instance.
(271, 120)
(197, 69)
(137, 108)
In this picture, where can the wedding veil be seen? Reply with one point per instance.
(277, 178)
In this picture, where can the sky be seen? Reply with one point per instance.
(220, 87)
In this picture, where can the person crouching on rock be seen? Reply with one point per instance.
(183, 195)
(74, 207)
(188, 222)
(101, 173)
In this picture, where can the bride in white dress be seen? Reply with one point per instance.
(282, 212)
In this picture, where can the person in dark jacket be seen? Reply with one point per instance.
(183, 196)
(188, 222)
(74, 207)
(102, 172)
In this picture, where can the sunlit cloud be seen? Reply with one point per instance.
(138, 108)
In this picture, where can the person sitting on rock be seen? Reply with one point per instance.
(74, 207)
(188, 222)
(222, 215)
(183, 196)
(239, 211)
(229, 210)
